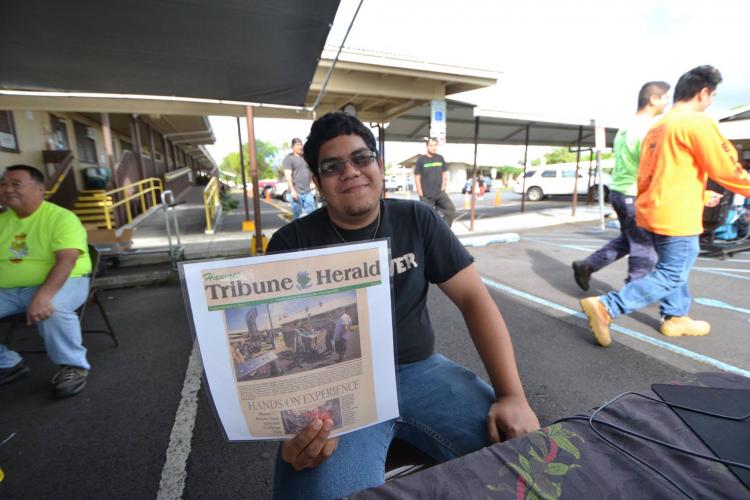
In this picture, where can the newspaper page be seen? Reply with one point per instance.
(287, 338)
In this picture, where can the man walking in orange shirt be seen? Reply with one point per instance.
(679, 153)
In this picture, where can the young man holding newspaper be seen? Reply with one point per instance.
(341, 153)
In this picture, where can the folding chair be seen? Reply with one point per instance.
(93, 297)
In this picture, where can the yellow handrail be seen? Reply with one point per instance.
(59, 180)
(138, 190)
(211, 201)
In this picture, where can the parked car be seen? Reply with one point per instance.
(281, 190)
(551, 180)
(393, 184)
(487, 185)
(276, 188)
(265, 185)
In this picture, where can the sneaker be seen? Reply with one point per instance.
(599, 319)
(16, 371)
(70, 380)
(683, 325)
(582, 274)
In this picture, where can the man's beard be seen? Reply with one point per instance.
(362, 208)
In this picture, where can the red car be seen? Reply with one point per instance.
(277, 188)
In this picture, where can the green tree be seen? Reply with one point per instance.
(266, 153)
(564, 155)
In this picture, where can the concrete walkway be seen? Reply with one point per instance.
(229, 239)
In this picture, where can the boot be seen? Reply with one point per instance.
(683, 325)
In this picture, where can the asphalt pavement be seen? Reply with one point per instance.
(142, 430)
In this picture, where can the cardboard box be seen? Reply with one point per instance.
(110, 237)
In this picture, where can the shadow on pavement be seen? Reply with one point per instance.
(549, 269)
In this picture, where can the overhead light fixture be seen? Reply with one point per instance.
(350, 109)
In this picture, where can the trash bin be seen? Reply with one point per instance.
(96, 177)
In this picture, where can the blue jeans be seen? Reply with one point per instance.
(667, 283)
(304, 205)
(61, 331)
(633, 241)
(443, 408)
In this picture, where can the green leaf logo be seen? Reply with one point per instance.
(303, 280)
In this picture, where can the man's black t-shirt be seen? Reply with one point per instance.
(431, 169)
(423, 251)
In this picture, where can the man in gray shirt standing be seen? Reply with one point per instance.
(298, 177)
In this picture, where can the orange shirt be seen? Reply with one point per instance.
(678, 154)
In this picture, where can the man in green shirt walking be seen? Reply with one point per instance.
(632, 241)
(44, 269)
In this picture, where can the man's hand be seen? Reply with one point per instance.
(40, 307)
(711, 198)
(510, 417)
(311, 447)
(295, 195)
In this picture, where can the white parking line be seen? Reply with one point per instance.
(734, 259)
(626, 331)
(173, 473)
(720, 304)
(727, 269)
(722, 271)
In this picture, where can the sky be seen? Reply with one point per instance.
(556, 57)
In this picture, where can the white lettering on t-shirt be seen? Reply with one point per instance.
(404, 263)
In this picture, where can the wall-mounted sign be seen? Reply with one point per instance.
(438, 121)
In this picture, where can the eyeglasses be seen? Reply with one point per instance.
(335, 166)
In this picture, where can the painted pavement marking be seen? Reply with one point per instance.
(626, 331)
(173, 474)
(721, 305)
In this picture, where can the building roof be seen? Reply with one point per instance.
(380, 86)
(738, 113)
(496, 127)
(262, 51)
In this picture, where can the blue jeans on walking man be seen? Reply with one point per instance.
(61, 332)
(667, 283)
(443, 408)
(305, 204)
(632, 241)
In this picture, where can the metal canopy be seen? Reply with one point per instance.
(263, 51)
(736, 114)
(495, 127)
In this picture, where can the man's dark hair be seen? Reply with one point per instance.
(430, 139)
(296, 140)
(330, 126)
(35, 174)
(695, 80)
(649, 90)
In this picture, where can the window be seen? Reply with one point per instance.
(86, 144)
(568, 173)
(529, 173)
(549, 173)
(59, 133)
(8, 139)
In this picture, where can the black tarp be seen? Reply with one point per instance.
(263, 51)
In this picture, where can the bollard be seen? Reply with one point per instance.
(467, 201)
(263, 243)
(498, 198)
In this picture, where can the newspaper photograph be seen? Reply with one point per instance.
(288, 338)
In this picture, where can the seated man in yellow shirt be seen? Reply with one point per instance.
(44, 269)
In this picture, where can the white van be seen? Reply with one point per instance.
(551, 180)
